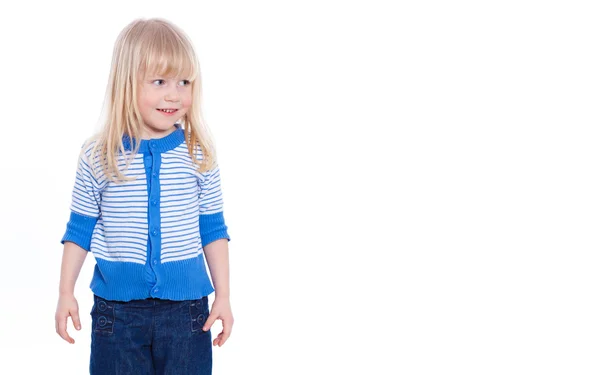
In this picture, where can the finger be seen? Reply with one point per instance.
(75, 319)
(216, 340)
(209, 322)
(62, 330)
(227, 325)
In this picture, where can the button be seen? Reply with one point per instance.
(154, 232)
(155, 290)
(154, 202)
(101, 305)
(102, 320)
(155, 261)
(154, 174)
(153, 145)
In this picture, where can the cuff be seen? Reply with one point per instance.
(212, 228)
(79, 230)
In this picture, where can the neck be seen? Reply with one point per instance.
(161, 143)
(149, 133)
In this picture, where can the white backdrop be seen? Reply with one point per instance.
(410, 187)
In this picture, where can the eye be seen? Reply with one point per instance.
(161, 81)
(185, 82)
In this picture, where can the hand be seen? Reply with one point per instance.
(67, 306)
(221, 309)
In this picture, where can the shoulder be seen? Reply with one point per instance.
(89, 157)
(202, 158)
(89, 145)
(198, 152)
(208, 159)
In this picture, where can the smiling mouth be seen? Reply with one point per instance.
(167, 110)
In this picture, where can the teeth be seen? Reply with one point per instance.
(168, 110)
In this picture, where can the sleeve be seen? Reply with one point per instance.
(85, 207)
(212, 221)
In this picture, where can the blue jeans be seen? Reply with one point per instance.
(150, 336)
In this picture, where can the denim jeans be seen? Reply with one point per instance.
(151, 336)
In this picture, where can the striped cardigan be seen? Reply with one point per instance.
(147, 235)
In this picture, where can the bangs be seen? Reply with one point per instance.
(166, 54)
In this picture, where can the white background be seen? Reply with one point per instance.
(411, 187)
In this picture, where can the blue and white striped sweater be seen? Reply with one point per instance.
(147, 235)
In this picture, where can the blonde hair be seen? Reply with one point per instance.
(152, 46)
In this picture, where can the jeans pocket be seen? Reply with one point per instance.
(103, 316)
(198, 313)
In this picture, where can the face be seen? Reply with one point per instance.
(162, 101)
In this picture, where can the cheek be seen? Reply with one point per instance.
(186, 101)
(146, 103)
(146, 100)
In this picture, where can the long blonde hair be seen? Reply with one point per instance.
(148, 46)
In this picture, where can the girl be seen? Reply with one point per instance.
(147, 203)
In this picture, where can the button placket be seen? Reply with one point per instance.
(154, 212)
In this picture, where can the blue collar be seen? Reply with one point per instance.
(163, 144)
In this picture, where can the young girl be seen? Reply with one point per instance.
(147, 203)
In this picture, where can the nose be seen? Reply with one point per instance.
(172, 95)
